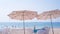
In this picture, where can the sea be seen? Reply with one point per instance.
(29, 24)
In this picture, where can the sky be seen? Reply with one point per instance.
(7, 6)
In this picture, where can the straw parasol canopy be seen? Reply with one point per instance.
(53, 14)
(23, 15)
(46, 15)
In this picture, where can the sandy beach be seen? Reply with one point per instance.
(28, 31)
(56, 31)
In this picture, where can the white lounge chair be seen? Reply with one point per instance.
(44, 30)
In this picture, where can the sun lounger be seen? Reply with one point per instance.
(44, 30)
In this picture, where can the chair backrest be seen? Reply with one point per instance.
(44, 30)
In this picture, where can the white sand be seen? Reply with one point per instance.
(28, 31)
(56, 31)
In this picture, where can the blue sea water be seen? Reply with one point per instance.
(29, 24)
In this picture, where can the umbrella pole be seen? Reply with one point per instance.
(24, 26)
(52, 25)
(23, 23)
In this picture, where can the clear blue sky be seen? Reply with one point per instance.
(7, 6)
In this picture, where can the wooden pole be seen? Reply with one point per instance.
(23, 23)
(51, 24)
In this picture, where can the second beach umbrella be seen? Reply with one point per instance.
(49, 15)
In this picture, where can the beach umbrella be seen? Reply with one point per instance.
(53, 14)
(23, 15)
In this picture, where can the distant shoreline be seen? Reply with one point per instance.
(39, 25)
